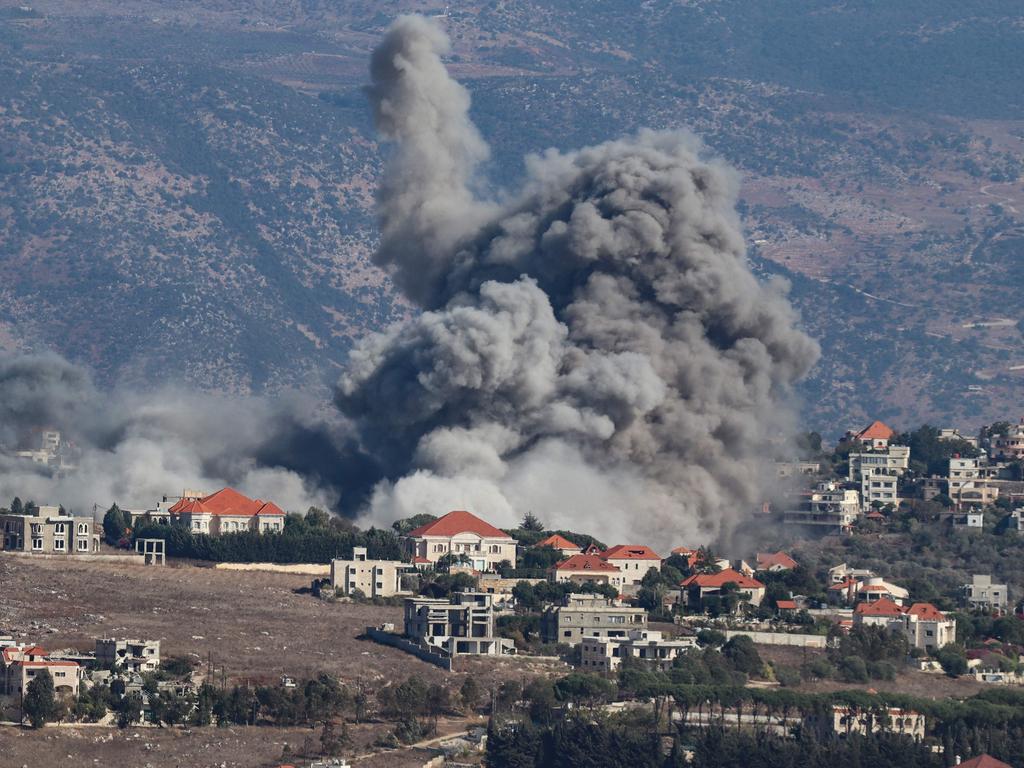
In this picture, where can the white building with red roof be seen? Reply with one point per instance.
(699, 586)
(775, 561)
(19, 665)
(462, 533)
(877, 434)
(924, 625)
(633, 562)
(581, 569)
(226, 511)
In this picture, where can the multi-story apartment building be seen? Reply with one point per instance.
(970, 481)
(462, 533)
(374, 578)
(462, 624)
(604, 655)
(982, 595)
(1009, 447)
(582, 616)
(49, 531)
(828, 508)
(877, 474)
(132, 655)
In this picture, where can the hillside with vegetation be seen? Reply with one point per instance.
(188, 187)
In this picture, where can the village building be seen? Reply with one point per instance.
(1009, 447)
(49, 531)
(774, 562)
(875, 436)
(853, 721)
(876, 588)
(226, 511)
(982, 595)
(462, 533)
(697, 588)
(970, 519)
(372, 578)
(584, 569)
(829, 508)
(633, 562)
(604, 655)
(463, 624)
(842, 573)
(132, 655)
(587, 615)
(877, 472)
(19, 665)
(562, 544)
(924, 625)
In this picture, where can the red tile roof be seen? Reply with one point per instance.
(766, 560)
(722, 578)
(876, 430)
(630, 552)
(984, 761)
(579, 563)
(558, 542)
(226, 502)
(457, 522)
(785, 605)
(849, 582)
(882, 607)
(926, 611)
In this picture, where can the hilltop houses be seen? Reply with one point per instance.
(924, 625)
(562, 544)
(462, 535)
(633, 561)
(227, 511)
(696, 589)
(49, 530)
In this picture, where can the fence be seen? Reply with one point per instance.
(780, 638)
(397, 641)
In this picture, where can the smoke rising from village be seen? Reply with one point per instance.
(592, 348)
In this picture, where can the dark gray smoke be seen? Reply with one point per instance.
(594, 350)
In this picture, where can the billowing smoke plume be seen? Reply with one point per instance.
(131, 448)
(593, 349)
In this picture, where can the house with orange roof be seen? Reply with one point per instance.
(226, 511)
(581, 569)
(924, 625)
(633, 562)
(778, 561)
(562, 544)
(877, 434)
(461, 533)
(20, 664)
(696, 588)
(690, 555)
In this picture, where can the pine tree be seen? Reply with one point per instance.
(40, 704)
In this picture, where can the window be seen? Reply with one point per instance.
(59, 528)
(37, 545)
(83, 545)
(83, 529)
(567, 633)
(58, 545)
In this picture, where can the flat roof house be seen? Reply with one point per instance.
(582, 616)
(374, 578)
(462, 533)
(461, 624)
(49, 532)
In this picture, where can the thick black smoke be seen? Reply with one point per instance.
(595, 350)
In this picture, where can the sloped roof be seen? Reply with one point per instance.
(580, 563)
(722, 578)
(558, 542)
(785, 605)
(926, 611)
(876, 430)
(984, 761)
(226, 502)
(766, 560)
(630, 552)
(881, 607)
(459, 521)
